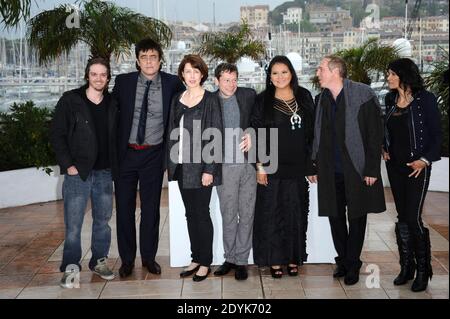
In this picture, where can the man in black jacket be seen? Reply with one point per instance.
(237, 194)
(144, 101)
(83, 138)
(348, 135)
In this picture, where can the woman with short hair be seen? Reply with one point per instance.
(191, 110)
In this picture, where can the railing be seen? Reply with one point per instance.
(47, 94)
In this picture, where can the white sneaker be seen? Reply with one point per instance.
(103, 271)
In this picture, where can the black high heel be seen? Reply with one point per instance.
(276, 272)
(292, 270)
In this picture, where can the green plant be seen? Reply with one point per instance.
(24, 138)
(365, 62)
(231, 46)
(105, 27)
(368, 60)
(12, 11)
(437, 84)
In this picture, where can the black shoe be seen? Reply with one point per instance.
(405, 243)
(339, 271)
(198, 278)
(292, 270)
(187, 273)
(152, 267)
(241, 272)
(351, 277)
(224, 269)
(125, 270)
(276, 272)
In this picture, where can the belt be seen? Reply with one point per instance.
(138, 147)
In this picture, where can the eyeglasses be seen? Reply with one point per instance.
(232, 81)
(151, 58)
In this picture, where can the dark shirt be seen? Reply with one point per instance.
(399, 134)
(291, 147)
(99, 114)
(192, 147)
(337, 105)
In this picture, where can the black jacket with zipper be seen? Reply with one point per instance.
(73, 134)
(424, 125)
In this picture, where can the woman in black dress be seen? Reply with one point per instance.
(282, 201)
(412, 142)
(195, 110)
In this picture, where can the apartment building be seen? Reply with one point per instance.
(256, 16)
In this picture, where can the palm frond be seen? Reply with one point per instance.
(105, 27)
(49, 34)
(368, 59)
(12, 11)
(231, 46)
(435, 81)
(121, 28)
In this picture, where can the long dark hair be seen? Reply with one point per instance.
(270, 88)
(305, 111)
(408, 73)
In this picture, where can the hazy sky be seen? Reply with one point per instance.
(181, 10)
(191, 10)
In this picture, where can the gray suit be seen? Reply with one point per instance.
(237, 194)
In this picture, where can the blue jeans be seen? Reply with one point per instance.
(76, 193)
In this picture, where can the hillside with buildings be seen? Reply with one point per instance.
(325, 27)
(331, 27)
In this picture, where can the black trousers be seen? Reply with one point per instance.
(199, 223)
(145, 167)
(348, 242)
(408, 192)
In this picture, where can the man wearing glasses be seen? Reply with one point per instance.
(144, 101)
(237, 194)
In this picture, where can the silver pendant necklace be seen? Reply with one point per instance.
(295, 118)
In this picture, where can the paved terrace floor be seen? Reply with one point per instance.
(31, 243)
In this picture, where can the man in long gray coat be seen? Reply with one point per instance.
(237, 194)
(348, 136)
